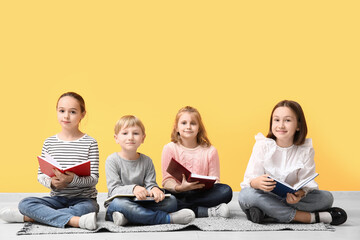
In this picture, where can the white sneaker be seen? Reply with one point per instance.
(11, 215)
(119, 219)
(183, 216)
(88, 221)
(221, 210)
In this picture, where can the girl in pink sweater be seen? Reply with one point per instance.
(191, 147)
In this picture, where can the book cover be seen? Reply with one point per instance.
(48, 163)
(282, 188)
(148, 199)
(176, 169)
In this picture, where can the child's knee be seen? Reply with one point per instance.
(92, 206)
(120, 203)
(226, 192)
(327, 199)
(245, 195)
(24, 203)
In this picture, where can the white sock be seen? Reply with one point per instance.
(325, 217)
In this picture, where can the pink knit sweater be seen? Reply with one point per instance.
(199, 160)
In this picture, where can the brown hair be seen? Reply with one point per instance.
(201, 138)
(300, 136)
(77, 97)
(128, 121)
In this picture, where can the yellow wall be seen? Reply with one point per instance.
(233, 60)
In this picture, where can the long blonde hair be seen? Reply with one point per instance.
(201, 138)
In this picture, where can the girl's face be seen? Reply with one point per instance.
(284, 126)
(69, 113)
(188, 126)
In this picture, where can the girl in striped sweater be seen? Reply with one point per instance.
(72, 199)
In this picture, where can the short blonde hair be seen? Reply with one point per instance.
(128, 121)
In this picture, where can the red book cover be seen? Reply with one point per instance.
(176, 169)
(48, 164)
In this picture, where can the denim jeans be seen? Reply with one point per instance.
(56, 211)
(277, 208)
(200, 200)
(143, 212)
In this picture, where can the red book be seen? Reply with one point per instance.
(48, 163)
(176, 169)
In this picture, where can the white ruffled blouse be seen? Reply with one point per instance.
(291, 165)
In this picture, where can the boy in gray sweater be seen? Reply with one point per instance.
(129, 172)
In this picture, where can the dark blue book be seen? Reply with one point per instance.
(282, 188)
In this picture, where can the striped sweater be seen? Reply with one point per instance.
(69, 153)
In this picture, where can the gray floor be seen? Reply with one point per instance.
(346, 200)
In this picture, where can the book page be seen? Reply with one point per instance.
(202, 176)
(299, 185)
(283, 183)
(51, 160)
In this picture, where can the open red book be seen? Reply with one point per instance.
(48, 163)
(176, 169)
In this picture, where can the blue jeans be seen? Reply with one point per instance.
(56, 211)
(277, 208)
(146, 213)
(200, 200)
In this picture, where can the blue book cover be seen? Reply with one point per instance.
(282, 188)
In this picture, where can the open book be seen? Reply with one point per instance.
(176, 169)
(132, 196)
(283, 188)
(48, 163)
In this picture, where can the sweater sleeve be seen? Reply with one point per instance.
(92, 180)
(114, 182)
(308, 170)
(168, 182)
(214, 164)
(255, 166)
(150, 176)
(43, 179)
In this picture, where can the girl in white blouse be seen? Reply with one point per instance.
(288, 156)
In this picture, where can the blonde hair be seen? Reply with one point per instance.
(128, 121)
(201, 138)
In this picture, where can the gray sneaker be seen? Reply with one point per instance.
(221, 210)
(119, 219)
(88, 221)
(11, 215)
(183, 216)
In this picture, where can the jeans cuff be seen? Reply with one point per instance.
(202, 212)
(292, 216)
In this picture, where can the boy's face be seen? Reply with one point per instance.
(130, 138)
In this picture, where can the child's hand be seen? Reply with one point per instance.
(157, 194)
(295, 198)
(187, 186)
(61, 180)
(263, 183)
(140, 192)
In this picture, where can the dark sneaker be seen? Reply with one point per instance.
(338, 215)
(255, 215)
